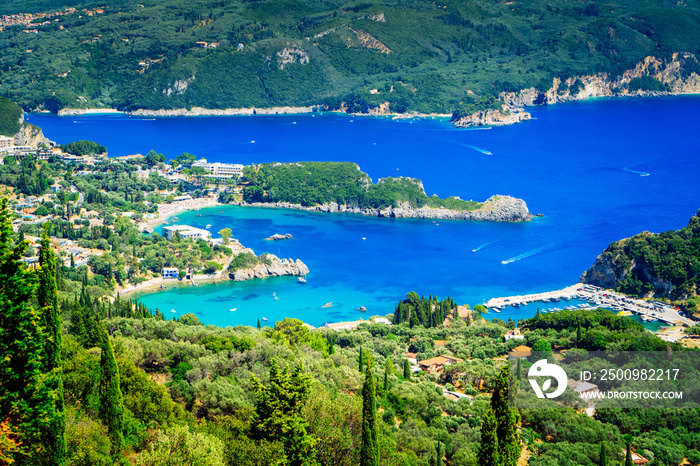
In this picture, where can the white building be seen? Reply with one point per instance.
(6, 142)
(513, 335)
(185, 231)
(220, 170)
(170, 272)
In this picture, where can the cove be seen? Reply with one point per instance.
(599, 171)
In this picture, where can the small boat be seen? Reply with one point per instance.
(362, 309)
(166, 223)
(301, 280)
(363, 238)
(264, 319)
(474, 250)
(198, 215)
(276, 298)
(221, 211)
(232, 309)
(208, 225)
(175, 218)
(327, 305)
(172, 310)
(496, 310)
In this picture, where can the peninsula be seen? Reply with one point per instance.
(343, 187)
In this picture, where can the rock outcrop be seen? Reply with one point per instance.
(495, 209)
(613, 267)
(506, 116)
(31, 135)
(278, 237)
(272, 266)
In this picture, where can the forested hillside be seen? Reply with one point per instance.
(665, 264)
(317, 183)
(10, 115)
(417, 54)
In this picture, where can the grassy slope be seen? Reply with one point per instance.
(439, 51)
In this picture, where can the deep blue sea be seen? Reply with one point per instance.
(598, 170)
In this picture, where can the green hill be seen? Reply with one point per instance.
(417, 54)
(665, 264)
(10, 114)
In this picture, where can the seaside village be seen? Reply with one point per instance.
(212, 175)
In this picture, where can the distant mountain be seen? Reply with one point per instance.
(415, 55)
(665, 264)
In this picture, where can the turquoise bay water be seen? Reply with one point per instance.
(599, 171)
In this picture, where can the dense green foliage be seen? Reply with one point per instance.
(10, 114)
(288, 52)
(316, 183)
(429, 312)
(83, 148)
(671, 258)
(27, 175)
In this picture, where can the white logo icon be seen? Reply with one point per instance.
(543, 369)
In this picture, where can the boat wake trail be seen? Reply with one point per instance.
(635, 171)
(478, 149)
(484, 245)
(525, 255)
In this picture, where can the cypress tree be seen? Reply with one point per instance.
(406, 370)
(47, 294)
(603, 455)
(111, 405)
(628, 456)
(388, 369)
(578, 335)
(27, 404)
(362, 360)
(520, 371)
(507, 420)
(369, 450)
(259, 326)
(487, 454)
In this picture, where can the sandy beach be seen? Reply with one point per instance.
(175, 207)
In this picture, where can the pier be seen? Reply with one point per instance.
(569, 291)
(599, 297)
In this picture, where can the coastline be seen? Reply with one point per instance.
(87, 111)
(497, 208)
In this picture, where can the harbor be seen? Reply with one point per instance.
(583, 296)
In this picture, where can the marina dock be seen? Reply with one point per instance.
(599, 297)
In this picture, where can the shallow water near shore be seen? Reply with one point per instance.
(599, 171)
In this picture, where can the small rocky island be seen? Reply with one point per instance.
(246, 265)
(343, 187)
(279, 237)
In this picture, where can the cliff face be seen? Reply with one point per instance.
(31, 135)
(495, 209)
(616, 267)
(278, 267)
(678, 74)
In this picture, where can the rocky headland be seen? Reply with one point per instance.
(495, 209)
(272, 266)
(614, 266)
